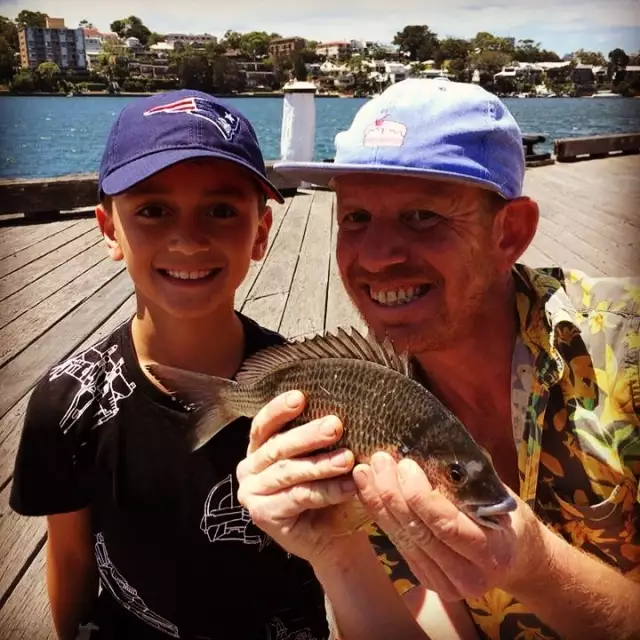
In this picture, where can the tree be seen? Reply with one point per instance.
(255, 44)
(592, 58)
(31, 19)
(485, 41)
(527, 51)
(9, 32)
(232, 39)
(452, 49)
(85, 24)
(131, 27)
(47, 76)
(418, 41)
(7, 60)
(618, 62)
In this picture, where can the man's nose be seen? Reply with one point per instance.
(381, 247)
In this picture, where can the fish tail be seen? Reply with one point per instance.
(212, 398)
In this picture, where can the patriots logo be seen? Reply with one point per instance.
(225, 122)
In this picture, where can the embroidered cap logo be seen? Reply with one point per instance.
(222, 119)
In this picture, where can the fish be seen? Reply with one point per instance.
(372, 389)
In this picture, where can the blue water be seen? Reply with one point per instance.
(52, 136)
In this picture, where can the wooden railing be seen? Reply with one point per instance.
(42, 197)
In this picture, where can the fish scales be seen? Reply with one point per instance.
(371, 390)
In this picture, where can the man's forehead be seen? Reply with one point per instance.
(399, 187)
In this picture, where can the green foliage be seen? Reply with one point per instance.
(31, 19)
(132, 27)
(417, 41)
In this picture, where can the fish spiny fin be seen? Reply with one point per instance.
(352, 346)
(202, 393)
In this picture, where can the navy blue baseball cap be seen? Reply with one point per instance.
(154, 133)
(428, 128)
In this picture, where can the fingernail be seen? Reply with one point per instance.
(406, 469)
(343, 459)
(329, 426)
(360, 478)
(293, 399)
(380, 462)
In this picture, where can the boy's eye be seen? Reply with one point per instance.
(223, 211)
(151, 211)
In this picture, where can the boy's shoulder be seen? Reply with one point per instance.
(76, 384)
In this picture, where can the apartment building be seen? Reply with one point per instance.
(285, 46)
(333, 49)
(53, 43)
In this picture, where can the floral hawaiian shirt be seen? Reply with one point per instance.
(576, 419)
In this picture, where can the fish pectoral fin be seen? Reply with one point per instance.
(205, 394)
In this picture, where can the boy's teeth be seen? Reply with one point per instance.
(398, 296)
(189, 275)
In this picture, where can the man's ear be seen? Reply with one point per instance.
(108, 231)
(262, 234)
(514, 228)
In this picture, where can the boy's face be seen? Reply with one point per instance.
(188, 235)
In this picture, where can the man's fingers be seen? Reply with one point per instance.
(273, 416)
(290, 503)
(298, 441)
(287, 473)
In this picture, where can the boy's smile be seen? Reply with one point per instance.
(188, 235)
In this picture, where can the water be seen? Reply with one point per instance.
(52, 136)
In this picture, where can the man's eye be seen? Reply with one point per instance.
(421, 219)
(223, 211)
(152, 211)
(356, 217)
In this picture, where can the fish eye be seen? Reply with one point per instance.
(456, 474)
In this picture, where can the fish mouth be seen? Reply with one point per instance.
(488, 515)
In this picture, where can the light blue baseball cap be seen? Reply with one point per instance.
(427, 128)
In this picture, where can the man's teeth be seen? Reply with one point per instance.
(189, 275)
(398, 296)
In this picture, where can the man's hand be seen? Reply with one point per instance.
(447, 551)
(286, 489)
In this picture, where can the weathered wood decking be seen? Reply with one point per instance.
(59, 292)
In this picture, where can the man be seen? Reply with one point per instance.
(542, 366)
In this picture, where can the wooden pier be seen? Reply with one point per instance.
(59, 292)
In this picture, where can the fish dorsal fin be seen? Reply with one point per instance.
(353, 346)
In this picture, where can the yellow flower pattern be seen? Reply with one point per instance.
(576, 399)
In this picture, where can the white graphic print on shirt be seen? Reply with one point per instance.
(90, 368)
(226, 520)
(125, 594)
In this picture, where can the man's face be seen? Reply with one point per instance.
(417, 257)
(187, 236)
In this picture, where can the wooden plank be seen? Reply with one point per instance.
(279, 211)
(22, 236)
(26, 614)
(19, 539)
(18, 334)
(306, 305)
(534, 257)
(341, 312)
(58, 277)
(21, 373)
(567, 149)
(11, 422)
(596, 200)
(277, 273)
(21, 259)
(75, 191)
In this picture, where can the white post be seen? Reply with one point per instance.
(297, 140)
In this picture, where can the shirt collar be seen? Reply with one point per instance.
(544, 309)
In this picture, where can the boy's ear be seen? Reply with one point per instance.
(516, 227)
(108, 231)
(262, 234)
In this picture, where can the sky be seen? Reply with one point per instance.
(562, 26)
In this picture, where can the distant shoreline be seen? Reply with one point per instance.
(127, 94)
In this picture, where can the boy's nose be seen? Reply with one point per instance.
(188, 241)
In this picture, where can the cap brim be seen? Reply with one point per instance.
(322, 173)
(131, 174)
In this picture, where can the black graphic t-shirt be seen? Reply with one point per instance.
(178, 556)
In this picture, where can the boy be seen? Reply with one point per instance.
(183, 193)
